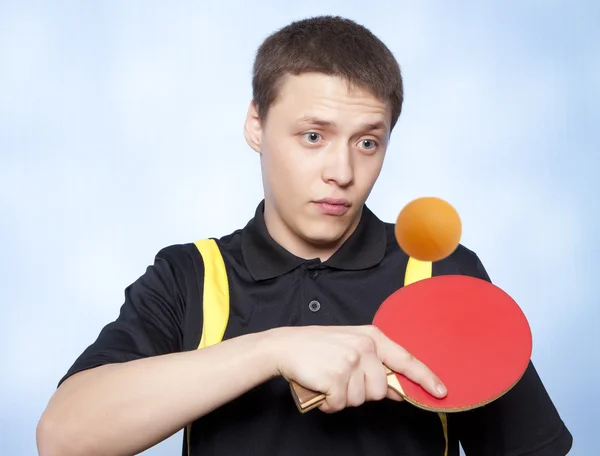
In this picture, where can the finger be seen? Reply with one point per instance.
(400, 360)
(393, 395)
(356, 393)
(419, 373)
(334, 404)
(376, 385)
(336, 397)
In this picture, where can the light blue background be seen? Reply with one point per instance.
(121, 133)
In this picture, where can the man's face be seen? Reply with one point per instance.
(322, 148)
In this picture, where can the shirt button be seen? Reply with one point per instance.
(314, 274)
(314, 306)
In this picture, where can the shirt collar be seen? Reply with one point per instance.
(266, 259)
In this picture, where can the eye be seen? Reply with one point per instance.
(369, 144)
(312, 137)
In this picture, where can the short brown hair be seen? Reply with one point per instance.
(330, 45)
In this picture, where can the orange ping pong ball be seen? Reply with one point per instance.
(428, 229)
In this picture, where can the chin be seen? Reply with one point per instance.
(324, 233)
(322, 241)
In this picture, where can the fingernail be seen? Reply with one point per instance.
(441, 389)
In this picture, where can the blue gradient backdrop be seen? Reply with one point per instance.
(121, 133)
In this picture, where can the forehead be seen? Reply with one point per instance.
(331, 97)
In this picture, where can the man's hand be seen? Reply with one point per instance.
(346, 363)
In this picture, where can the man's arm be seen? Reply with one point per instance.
(135, 386)
(523, 421)
(125, 408)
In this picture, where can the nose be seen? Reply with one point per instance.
(338, 166)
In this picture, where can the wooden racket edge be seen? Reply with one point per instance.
(304, 398)
(307, 399)
(461, 409)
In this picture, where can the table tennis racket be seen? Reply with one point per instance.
(469, 332)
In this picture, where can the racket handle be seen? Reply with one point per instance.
(306, 399)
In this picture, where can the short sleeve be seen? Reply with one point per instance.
(523, 421)
(150, 320)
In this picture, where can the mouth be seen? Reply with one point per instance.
(333, 206)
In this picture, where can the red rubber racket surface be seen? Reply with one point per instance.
(469, 332)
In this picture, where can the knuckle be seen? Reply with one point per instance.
(326, 408)
(377, 386)
(374, 331)
(357, 396)
(335, 405)
(340, 371)
(355, 402)
(382, 389)
(409, 358)
(377, 393)
(409, 364)
(365, 344)
(352, 401)
(352, 359)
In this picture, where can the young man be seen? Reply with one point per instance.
(303, 280)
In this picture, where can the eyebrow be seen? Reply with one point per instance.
(369, 126)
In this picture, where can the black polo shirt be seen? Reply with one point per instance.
(269, 287)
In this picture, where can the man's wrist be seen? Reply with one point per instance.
(268, 344)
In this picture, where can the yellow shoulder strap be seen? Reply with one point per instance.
(215, 300)
(418, 270)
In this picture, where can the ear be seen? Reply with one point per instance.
(253, 128)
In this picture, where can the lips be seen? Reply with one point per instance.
(333, 206)
(334, 201)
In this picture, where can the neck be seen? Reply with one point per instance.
(298, 245)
